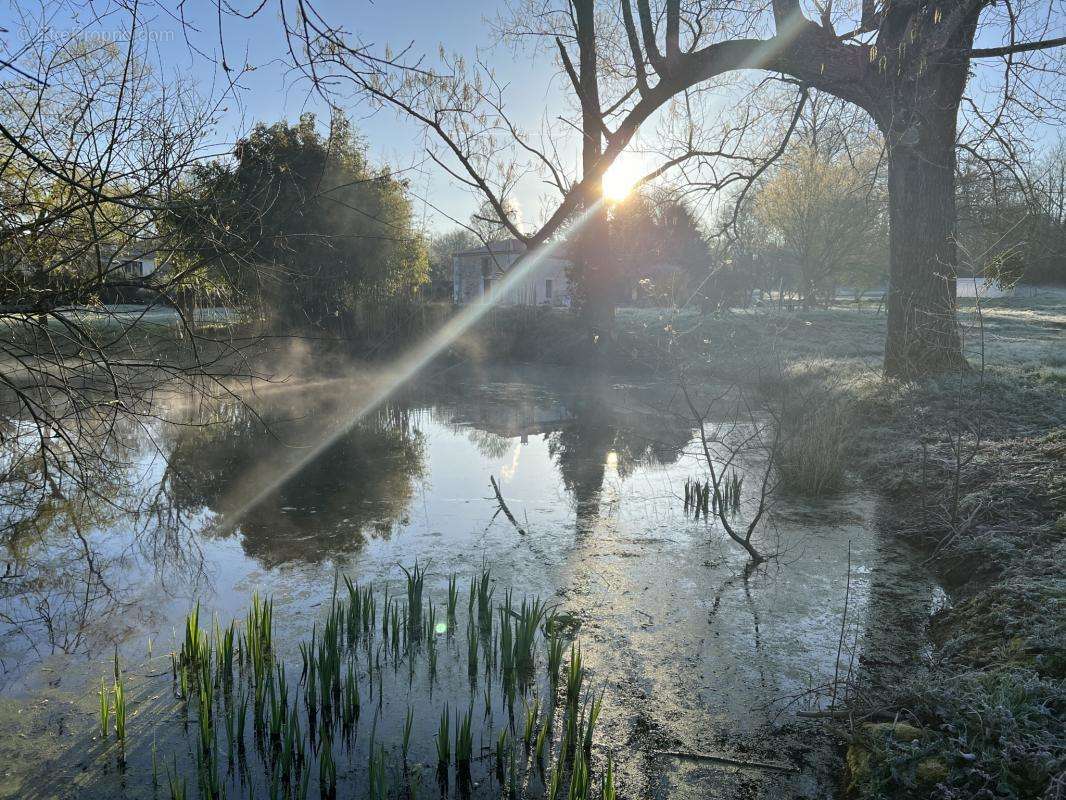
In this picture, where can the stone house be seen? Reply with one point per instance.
(476, 272)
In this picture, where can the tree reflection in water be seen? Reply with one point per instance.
(359, 487)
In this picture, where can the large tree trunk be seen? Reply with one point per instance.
(596, 301)
(923, 336)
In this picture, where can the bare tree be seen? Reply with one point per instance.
(95, 152)
(906, 63)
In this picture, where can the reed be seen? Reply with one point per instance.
(351, 701)
(527, 621)
(575, 676)
(555, 658)
(554, 781)
(607, 787)
(120, 711)
(471, 649)
(540, 750)
(484, 598)
(444, 740)
(176, 784)
(408, 721)
(501, 745)
(464, 743)
(259, 636)
(453, 598)
(377, 775)
(590, 714)
(579, 778)
(105, 709)
(327, 768)
(532, 712)
(416, 580)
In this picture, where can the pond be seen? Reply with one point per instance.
(702, 667)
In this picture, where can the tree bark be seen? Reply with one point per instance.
(597, 302)
(923, 336)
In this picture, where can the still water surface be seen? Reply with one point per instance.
(693, 656)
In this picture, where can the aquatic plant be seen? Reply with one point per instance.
(464, 742)
(105, 709)
(444, 740)
(295, 722)
(484, 598)
(574, 677)
(416, 579)
(377, 774)
(501, 745)
(327, 767)
(527, 621)
(120, 711)
(590, 713)
(554, 782)
(543, 737)
(453, 598)
(607, 787)
(176, 784)
(532, 712)
(579, 778)
(471, 649)
(407, 722)
(555, 657)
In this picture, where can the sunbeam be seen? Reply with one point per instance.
(260, 482)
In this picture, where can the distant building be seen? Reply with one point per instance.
(136, 260)
(476, 272)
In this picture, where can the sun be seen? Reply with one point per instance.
(619, 180)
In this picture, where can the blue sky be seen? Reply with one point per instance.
(270, 91)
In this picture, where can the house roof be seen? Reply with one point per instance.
(504, 246)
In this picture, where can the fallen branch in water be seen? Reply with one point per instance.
(503, 506)
(739, 762)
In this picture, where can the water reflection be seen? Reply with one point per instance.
(144, 511)
(592, 473)
(359, 487)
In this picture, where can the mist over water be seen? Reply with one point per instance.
(691, 657)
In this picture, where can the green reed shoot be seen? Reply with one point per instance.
(408, 721)
(327, 770)
(589, 715)
(351, 701)
(453, 598)
(555, 658)
(554, 781)
(105, 709)
(178, 789)
(444, 740)
(120, 711)
(532, 712)
(527, 620)
(579, 778)
(378, 776)
(471, 648)
(484, 598)
(464, 742)
(543, 737)
(501, 745)
(574, 677)
(416, 579)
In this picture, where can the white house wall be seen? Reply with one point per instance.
(468, 281)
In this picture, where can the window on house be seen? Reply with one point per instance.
(548, 289)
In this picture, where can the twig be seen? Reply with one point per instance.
(503, 506)
(727, 760)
